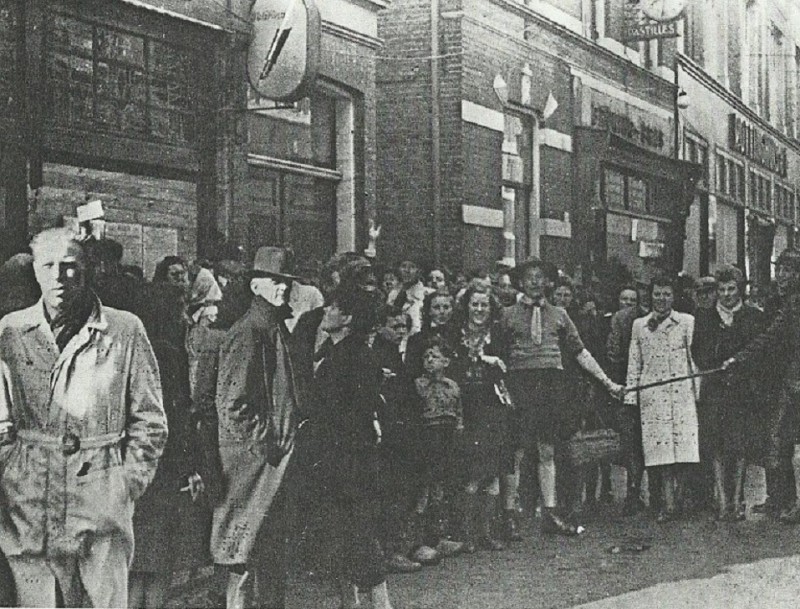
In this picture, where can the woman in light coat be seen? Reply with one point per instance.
(661, 349)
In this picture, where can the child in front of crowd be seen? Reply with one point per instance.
(400, 458)
(442, 424)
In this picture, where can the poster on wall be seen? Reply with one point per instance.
(130, 237)
(142, 246)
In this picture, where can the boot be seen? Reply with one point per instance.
(348, 594)
(510, 527)
(554, 524)
(380, 597)
(239, 591)
(469, 516)
(435, 524)
(488, 507)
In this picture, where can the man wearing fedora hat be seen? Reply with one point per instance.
(256, 403)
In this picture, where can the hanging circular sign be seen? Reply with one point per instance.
(284, 51)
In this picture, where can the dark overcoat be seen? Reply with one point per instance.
(256, 404)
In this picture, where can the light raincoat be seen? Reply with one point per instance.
(669, 412)
(90, 429)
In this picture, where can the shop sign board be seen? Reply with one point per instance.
(640, 133)
(651, 249)
(756, 145)
(284, 50)
(641, 22)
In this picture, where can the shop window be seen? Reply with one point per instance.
(627, 191)
(109, 79)
(637, 194)
(614, 189)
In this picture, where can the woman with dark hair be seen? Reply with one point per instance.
(730, 420)
(170, 528)
(173, 270)
(348, 384)
(661, 349)
(478, 366)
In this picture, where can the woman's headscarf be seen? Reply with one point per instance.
(204, 297)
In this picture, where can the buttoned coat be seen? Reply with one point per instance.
(669, 412)
(104, 384)
(775, 356)
(726, 403)
(256, 405)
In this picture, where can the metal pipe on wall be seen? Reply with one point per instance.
(436, 190)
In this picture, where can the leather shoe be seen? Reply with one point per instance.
(426, 556)
(447, 547)
(791, 516)
(401, 564)
(553, 524)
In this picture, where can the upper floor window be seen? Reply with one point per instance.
(110, 79)
(303, 131)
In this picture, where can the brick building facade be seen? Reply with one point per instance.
(112, 101)
(306, 174)
(553, 139)
(144, 105)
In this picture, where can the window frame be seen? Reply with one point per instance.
(95, 122)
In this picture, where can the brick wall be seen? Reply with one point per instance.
(403, 131)
(488, 39)
(134, 202)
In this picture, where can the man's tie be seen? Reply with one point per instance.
(536, 324)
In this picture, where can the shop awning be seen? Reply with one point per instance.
(212, 14)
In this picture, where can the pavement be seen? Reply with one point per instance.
(625, 563)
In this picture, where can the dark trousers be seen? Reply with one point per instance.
(355, 515)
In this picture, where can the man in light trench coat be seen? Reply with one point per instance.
(82, 426)
(257, 407)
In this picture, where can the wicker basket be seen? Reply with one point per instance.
(587, 447)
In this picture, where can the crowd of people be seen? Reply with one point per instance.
(181, 422)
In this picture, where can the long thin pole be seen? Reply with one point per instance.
(436, 186)
(673, 380)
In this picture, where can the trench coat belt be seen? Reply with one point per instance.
(69, 443)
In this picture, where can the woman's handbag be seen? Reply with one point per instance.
(586, 447)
